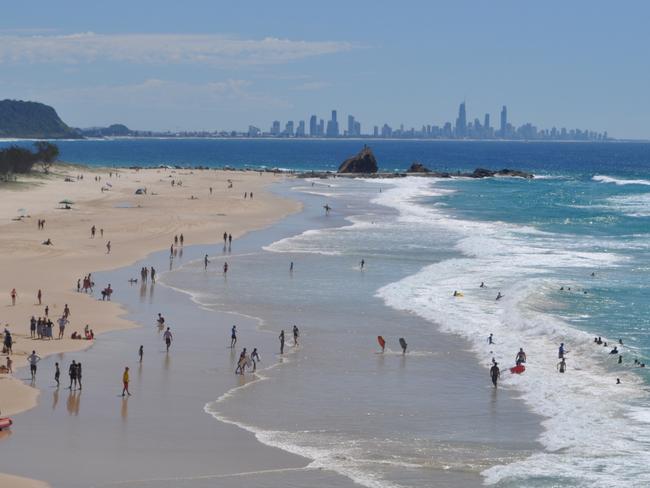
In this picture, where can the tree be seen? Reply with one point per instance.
(46, 154)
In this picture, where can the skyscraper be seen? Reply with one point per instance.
(275, 128)
(332, 126)
(504, 122)
(313, 126)
(300, 131)
(321, 127)
(288, 129)
(461, 121)
(486, 122)
(351, 126)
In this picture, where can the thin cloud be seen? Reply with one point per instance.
(313, 85)
(160, 49)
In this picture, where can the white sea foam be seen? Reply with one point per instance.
(620, 181)
(637, 205)
(587, 428)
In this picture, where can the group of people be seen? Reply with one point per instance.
(86, 285)
(146, 273)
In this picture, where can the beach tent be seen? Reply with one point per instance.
(140, 191)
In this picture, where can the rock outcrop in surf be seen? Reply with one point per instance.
(417, 167)
(363, 162)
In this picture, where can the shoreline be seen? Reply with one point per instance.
(74, 254)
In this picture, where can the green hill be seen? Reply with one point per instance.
(32, 120)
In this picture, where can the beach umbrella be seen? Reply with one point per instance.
(66, 202)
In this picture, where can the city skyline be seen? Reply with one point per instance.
(208, 67)
(461, 128)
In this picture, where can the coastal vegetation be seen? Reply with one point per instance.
(32, 120)
(16, 159)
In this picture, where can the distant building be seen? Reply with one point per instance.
(313, 126)
(275, 128)
(461, 121)
(375, 131)
(300, 131)
(288, 129)
(332, 126)
(253, 131)
(503, 131)
(321, 127)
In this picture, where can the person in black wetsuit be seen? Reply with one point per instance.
(281, 342)
(495, 373)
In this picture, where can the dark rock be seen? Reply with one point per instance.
(364, 162)
(515, 173)
(418, 168)
(482, 173)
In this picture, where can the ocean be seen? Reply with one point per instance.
(568, 251)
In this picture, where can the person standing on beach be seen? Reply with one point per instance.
(225, 268)
(167, 336)
(125, 382)
(206, 261)
(72, 372)
(108, 247)
(92, 232)
(182, 240)
(225, 238)
(32, 327)
(141, 352)
(57, 374)
(281, 341)
(229, 240)
(13, 296)
(291, 267)
(79, 374)
(296, 333)
(362, 264)
(39, 295)
(153, 275)
(33, 360)
(495, 373)
(255, 357)
(66, 311)
(62, 323)
(233, 336)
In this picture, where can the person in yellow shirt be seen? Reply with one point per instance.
(125, 381)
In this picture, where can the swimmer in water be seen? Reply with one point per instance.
(482, 285)
(521, 357)
(403, 344)
(499, 296)
(490, 339)
(560, 353)
(561, 366)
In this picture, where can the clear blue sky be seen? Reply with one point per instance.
(222, 65)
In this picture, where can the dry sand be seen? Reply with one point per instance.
(136, 225)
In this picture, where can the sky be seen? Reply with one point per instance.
(215, 65)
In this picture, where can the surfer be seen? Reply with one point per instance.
(206, 261)
(403, 343)
(614, 351)
(618, 381)
(490, 339)
(560, 352)
(561, 366)
(499, 296)
(233, 336)
(281, 337)
(620, 359)
(457, 293)
(327, 209)
(521, 357)
(482, 285)
(296, 333)
(362, 264)
(495, 373)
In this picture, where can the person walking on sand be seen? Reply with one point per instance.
(167, 336)
(13, 296)
(281, 341)
(62, 323)
(141, 353)
(233, 336)
(225, 238)
(182, 239)
(57, 374)
(66, 311)
(92, 232)
(33, 360)
(296, 333)
(206, 261)
(229, 240)
(495, 373)
(108, 247)
(125, 382)
(39, 295)
(72, 373)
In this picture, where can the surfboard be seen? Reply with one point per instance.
(382, 342)
(5, 423)
(402, 342)
(518, 369)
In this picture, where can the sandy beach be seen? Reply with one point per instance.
(202, 207)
